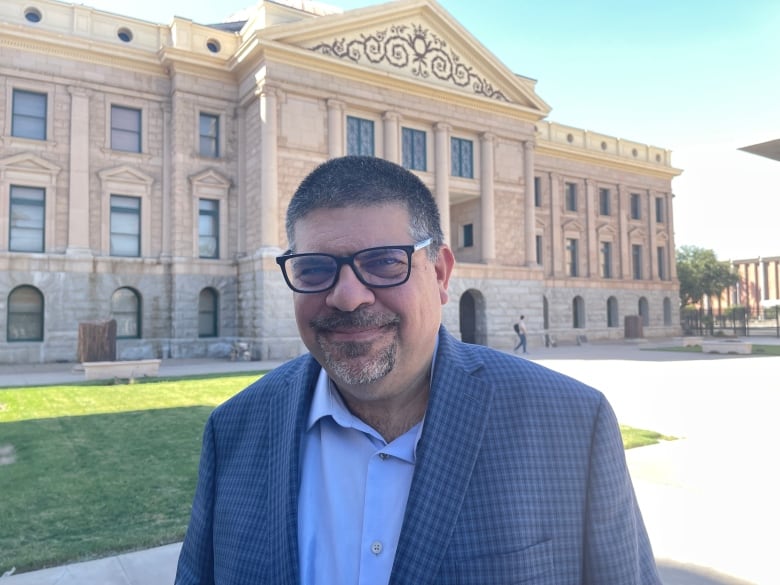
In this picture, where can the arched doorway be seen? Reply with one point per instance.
(472, 317)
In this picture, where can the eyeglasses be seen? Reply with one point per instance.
(380, 267)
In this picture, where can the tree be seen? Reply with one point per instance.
(701, 274)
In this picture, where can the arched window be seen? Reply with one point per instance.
(667, 311)
(578, 312)
(25, 314)
(644, 311)
(545, 313)
(612, 312)
(126, 309)
(208, 304)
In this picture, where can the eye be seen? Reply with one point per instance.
(390, 263)
(313, 270)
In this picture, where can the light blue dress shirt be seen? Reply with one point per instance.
(354, 488)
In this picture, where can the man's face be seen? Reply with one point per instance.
(375, 344)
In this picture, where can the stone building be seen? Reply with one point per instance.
(145, 171)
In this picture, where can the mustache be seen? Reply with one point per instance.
(354, 320)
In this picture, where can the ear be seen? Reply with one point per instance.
(444, 265)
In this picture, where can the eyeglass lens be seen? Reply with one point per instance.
(377, 267)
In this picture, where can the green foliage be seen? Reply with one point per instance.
(702, 274)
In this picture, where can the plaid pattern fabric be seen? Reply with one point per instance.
(520, 478)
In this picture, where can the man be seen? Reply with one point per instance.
(522, 334)
(393, 453)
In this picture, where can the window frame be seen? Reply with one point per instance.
(213, 140)
(660, 216)
(467, 235)
(29, 202)
(461, 151)
(213, 313)
(214, 215)
(117, 132)
(137, 212)
(359, 125)
(537, 191)
(570, 196)
(132, 317)
(414, 156)
(18, 117)
(12, 316)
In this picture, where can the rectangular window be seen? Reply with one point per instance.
(468, 235)
(125, 226)
(606, 259)
(571, 196)
(462, 158)
(125, 129)
(659, 210)
(636, 206)
(414, 149)
(28, 119)
(360, 136)
(636, 258)
(209, 135)
(661, 253)
(572, 256)
(605, 202)
(208, 228)
(539, 250)
(27, 223)
(537, 191)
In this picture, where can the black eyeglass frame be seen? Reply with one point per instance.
(350, 261)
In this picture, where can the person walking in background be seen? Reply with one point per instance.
(393, 452)
(522, 334)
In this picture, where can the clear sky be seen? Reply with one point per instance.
(698, 77)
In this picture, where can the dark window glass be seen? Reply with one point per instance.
(25, 314)
(636, 206)
(360, 136)
(209, 135)
(208, 228)
(462, 158)
(28, 119)
(659, 210)
(636, 257)
(606, 259)
(207, 313)
(27, 216)
(571, 196)
(605, 202)
(468, 235)
(125, 226)
(125, 129)
(537, 192)
(572, 258)
(414, 149)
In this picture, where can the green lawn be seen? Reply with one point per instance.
(100, 469)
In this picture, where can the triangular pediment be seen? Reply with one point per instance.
(606, 229)
(573, 225)
(636, 232)
(413, 39)
(125, 174)
(29, 163)
(210, 178)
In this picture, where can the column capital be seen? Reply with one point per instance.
(265, 89)
(334, 104)
(487, 137)
(442, 127)
(529, 144)
(391, 116)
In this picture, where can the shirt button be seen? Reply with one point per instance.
(376, 547)
(384, 456)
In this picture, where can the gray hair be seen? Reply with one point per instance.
(365, 181)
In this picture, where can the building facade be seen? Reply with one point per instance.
(145, 171)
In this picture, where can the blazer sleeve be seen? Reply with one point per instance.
(617, 548)
(196, 560)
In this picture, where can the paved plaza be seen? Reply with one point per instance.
(709, 499)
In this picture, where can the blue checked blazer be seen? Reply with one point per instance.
(520, 478)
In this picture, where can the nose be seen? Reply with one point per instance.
(348, 294)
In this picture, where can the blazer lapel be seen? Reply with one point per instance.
(289, 409)
(455, 422)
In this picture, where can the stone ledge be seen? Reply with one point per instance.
(121, 369)
(691, 340)
(741, 347)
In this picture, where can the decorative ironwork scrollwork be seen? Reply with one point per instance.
(414, 47)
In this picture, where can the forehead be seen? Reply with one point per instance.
(352, 228)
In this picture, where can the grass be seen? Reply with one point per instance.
(102, 468)
(757, 349)
(640, 437)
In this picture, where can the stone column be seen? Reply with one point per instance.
(672, 252)
(335, 128)
(556, 238)
(392, 151)
(761, 280)
(269, 196)
(78, 188)
(442, 172)
(166, 220)
(652, 256)
(487, 199)
(529, 209)
(241, 207)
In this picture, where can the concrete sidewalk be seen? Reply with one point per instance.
(708, 498)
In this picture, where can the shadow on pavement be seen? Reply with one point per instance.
(683, 574)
